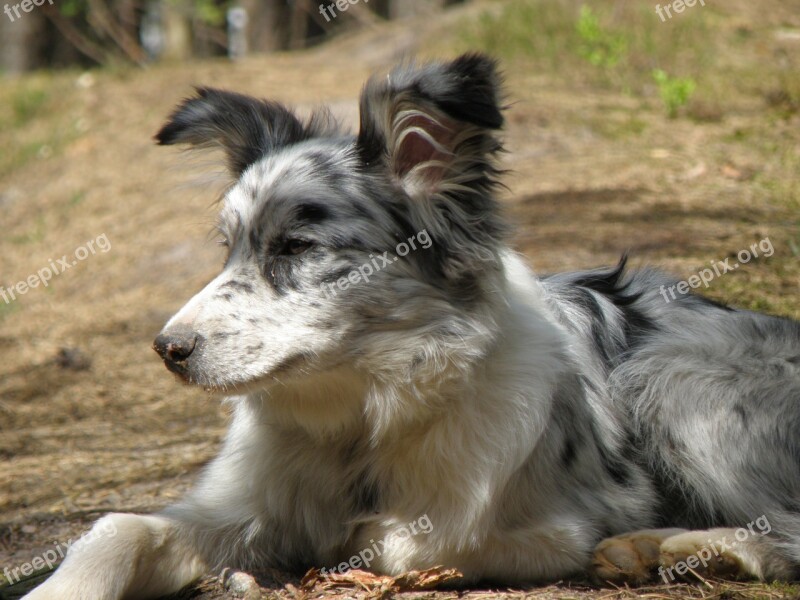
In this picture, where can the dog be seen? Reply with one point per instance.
(390, 359)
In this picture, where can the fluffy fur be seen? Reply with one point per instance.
(529, 418)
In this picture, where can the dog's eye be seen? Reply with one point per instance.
(297, 246)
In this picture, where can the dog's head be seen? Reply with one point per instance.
(344, 250)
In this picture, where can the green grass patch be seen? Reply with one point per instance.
(599, 46)
(27, 103)
(675, 92)
(539, 31)
(611, 45)
(35, 118)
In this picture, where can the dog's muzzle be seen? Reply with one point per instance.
(175, 346)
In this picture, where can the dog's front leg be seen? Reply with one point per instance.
(125, 556)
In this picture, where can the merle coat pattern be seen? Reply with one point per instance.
(530, 418)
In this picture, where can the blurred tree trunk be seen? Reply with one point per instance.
(125, 11)
(21, 42)
(299, 24)
(177, 32)
(60, 52)
(268, 21)
(107, 25)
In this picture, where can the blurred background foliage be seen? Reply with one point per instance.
(620, 72)
(87, 32)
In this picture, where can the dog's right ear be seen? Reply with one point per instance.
(432, 130)
(432, 126)
(246, 128)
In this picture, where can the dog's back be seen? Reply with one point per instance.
(709, 393)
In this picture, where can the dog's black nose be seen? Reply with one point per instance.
(175, 346)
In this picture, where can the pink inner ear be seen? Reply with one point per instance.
(423, 140)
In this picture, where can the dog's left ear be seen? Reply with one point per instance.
(246, 128)
(432, 127)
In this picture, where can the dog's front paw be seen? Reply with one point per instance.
(632, 558)
(704, 553)
(51, 589)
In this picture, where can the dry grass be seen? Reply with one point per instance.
(597, 169)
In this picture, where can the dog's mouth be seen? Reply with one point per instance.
(285, 368)
(176, 347)
(181, 369)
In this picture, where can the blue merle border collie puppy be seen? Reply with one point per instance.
(545, 428)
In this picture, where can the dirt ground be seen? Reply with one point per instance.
(91, 422)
